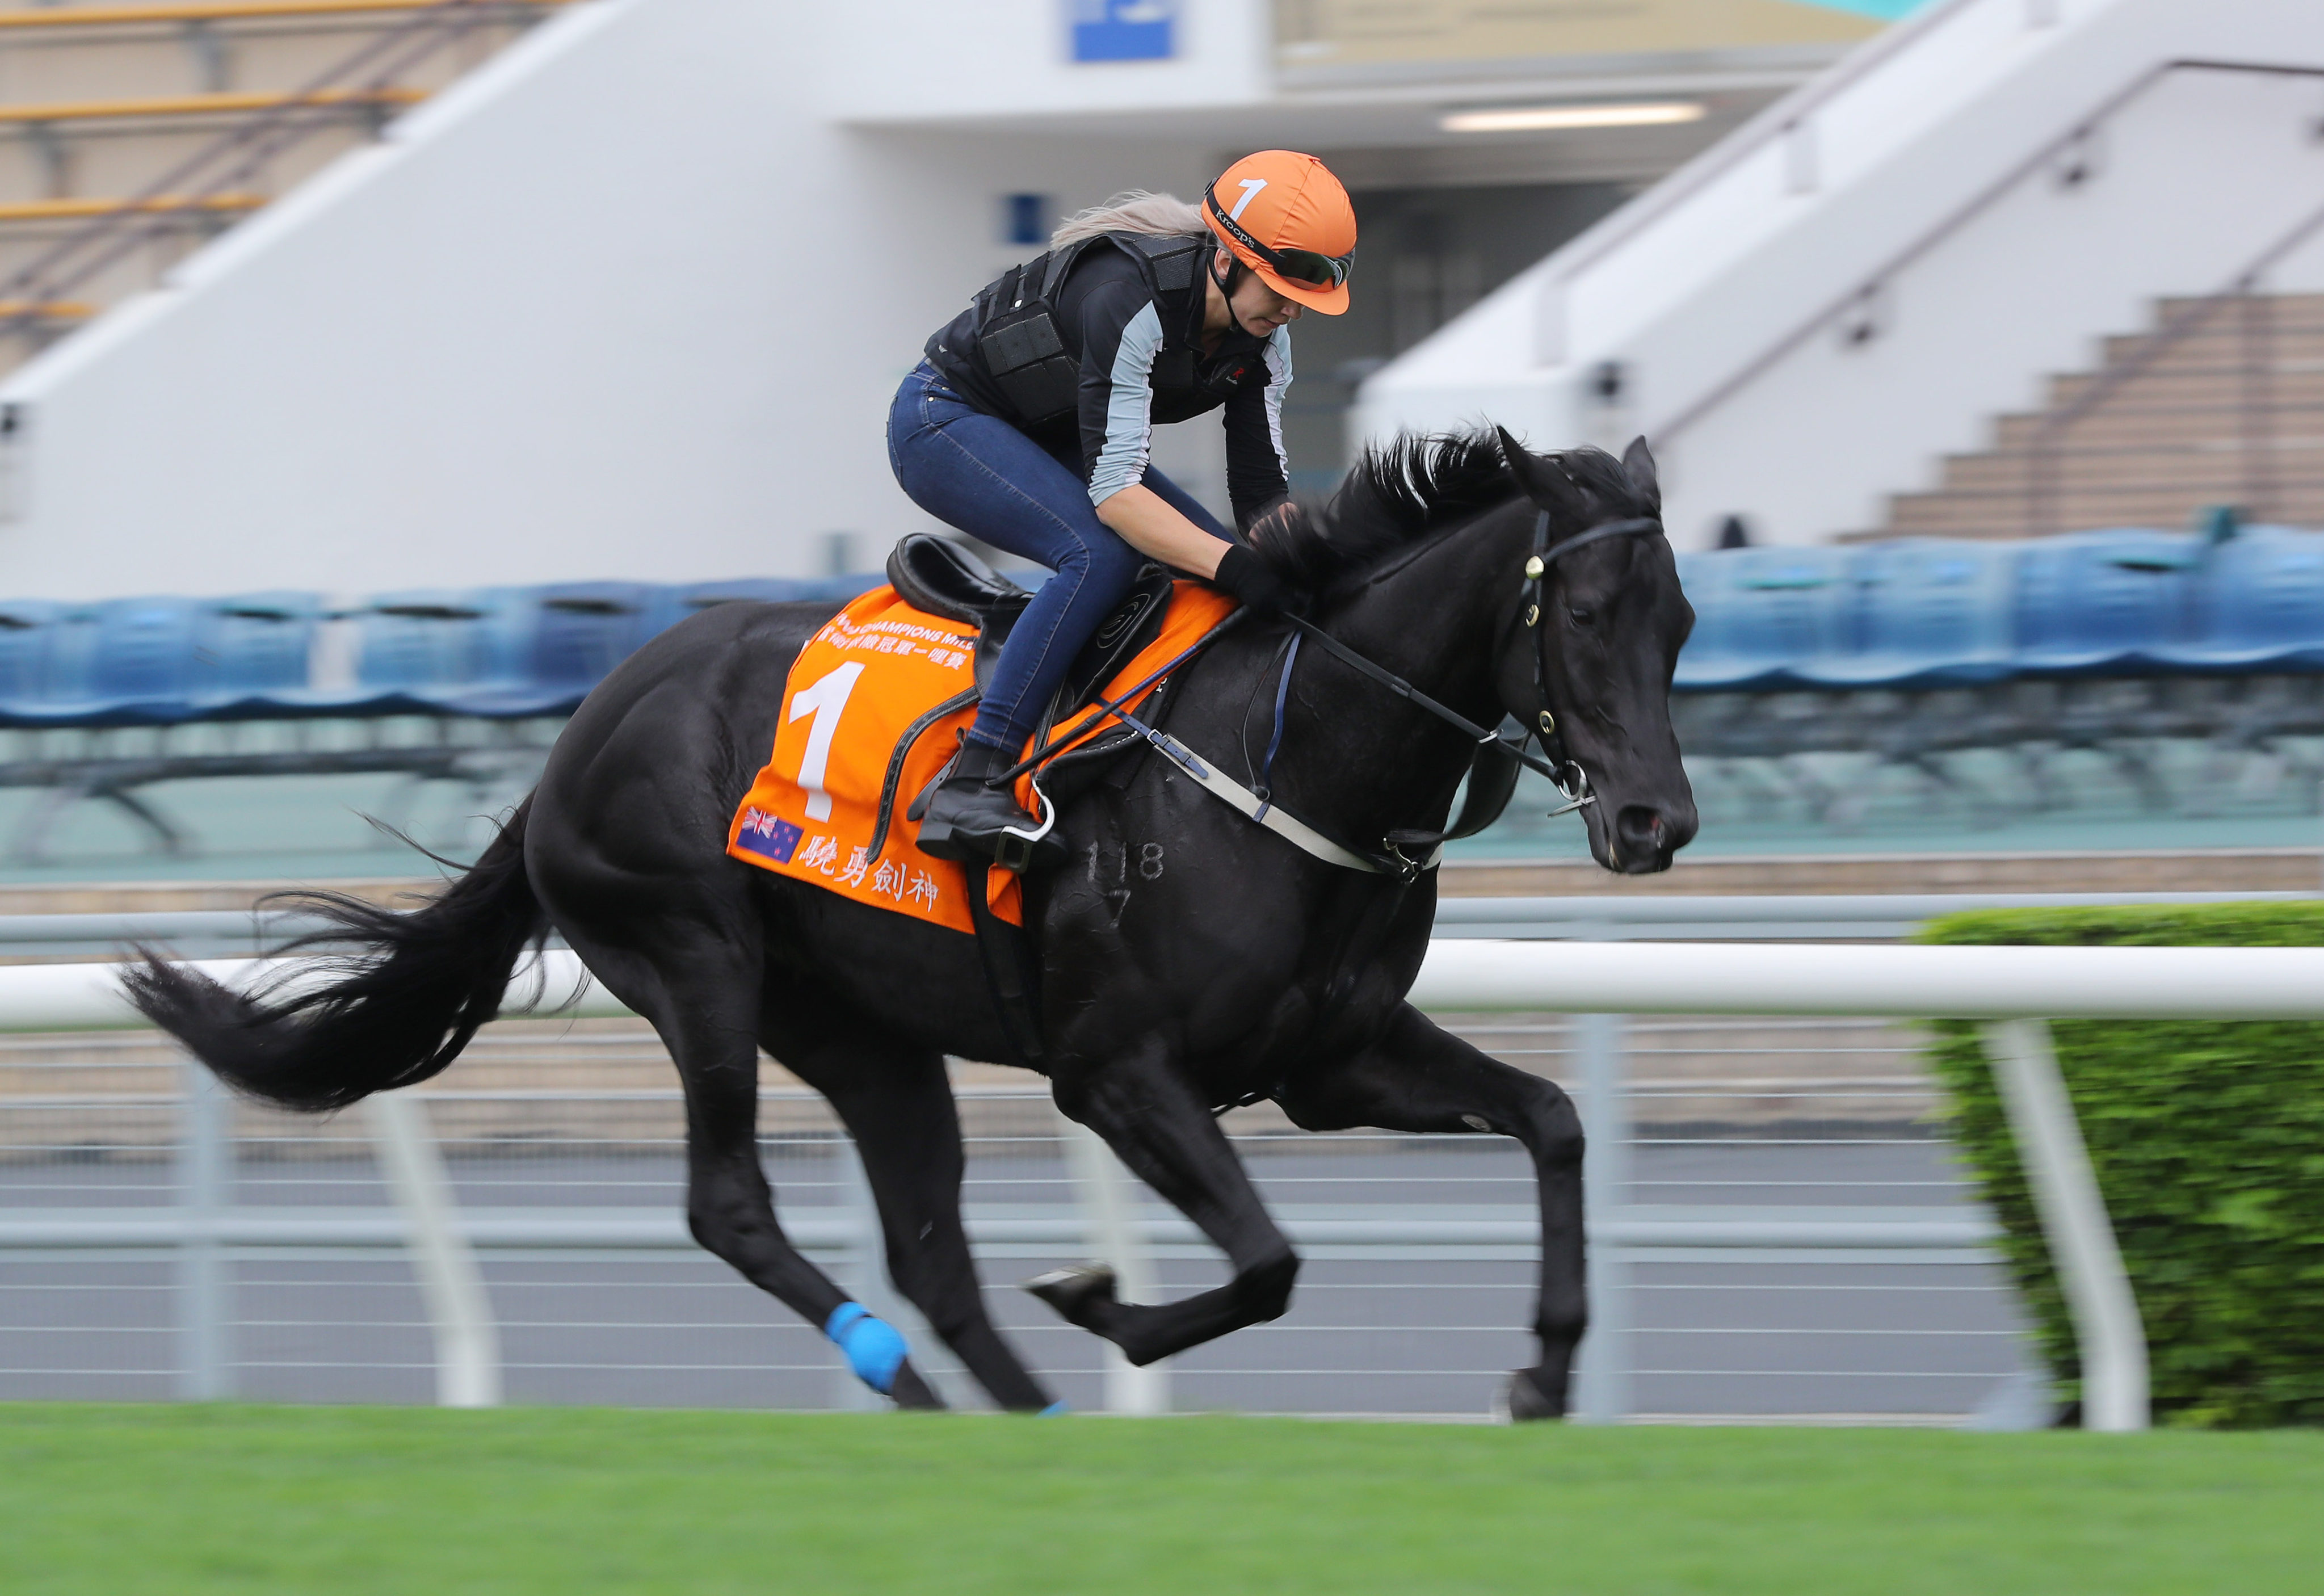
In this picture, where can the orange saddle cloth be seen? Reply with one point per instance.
(854, 692)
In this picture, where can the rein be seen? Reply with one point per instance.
(1488, 796)
(1405, 689)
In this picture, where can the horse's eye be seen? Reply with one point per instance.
(1583, 617)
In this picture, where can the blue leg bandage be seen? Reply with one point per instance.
(874, 1348)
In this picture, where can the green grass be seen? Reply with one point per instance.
(345, 1501)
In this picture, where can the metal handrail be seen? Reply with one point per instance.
(90, 249)
(2043, 160)
(1778, 121)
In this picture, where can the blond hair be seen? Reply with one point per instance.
(1133, 210)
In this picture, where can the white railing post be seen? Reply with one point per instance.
(1601, 1375)
(862, 1273)
(205, 1189)
(1109, 1205)
(2074, 1222)
(459, 1312)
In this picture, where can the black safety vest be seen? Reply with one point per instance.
(1013, 340)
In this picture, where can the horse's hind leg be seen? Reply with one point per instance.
(897, 1102)
(1148, 1114)
(705, 1006)
(1417, 1077)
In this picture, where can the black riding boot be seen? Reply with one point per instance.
(968, 818)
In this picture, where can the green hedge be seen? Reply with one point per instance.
(2208, 1144)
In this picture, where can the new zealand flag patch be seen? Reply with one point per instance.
(770, 836)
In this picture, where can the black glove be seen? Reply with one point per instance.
(1248, 579)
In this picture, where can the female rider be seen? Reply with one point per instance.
(1029, 424)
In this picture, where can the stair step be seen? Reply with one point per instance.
(2118, 426)
(54, 19)
(2221, 461)
(73, 210)
(2308, 305)
(2287, 381)
(176, 106)
(2006, 514)
(49, 309)
(2224, 340)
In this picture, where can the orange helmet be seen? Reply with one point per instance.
(1284, 215)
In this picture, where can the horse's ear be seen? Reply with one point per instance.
(1544, 483)
(1639, 466)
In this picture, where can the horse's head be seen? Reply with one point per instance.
(1592, 668)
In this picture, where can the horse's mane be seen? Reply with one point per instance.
(1408, 490)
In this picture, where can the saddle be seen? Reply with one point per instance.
(942, 577)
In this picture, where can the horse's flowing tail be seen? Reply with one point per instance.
(396, 1011)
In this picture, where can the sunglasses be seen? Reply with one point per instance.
(1299, 265)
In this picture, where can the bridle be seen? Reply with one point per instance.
(1537, 576)
(1563, 771)
(1488, 795)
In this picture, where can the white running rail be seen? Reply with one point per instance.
(2021, 985)
(1481, 975)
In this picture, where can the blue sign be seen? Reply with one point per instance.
(1025, 218)
(1124, 29)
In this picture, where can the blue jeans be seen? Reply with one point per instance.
(980, 475)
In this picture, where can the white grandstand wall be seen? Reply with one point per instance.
(1689, 288)
(630, 302)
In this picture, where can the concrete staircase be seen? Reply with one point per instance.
(2228, 411)
(130, 133)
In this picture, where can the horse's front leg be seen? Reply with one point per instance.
(1150, 1115)
(1417, 1077)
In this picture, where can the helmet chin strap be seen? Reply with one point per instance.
(1226, 288)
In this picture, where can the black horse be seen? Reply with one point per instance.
(1189, 960)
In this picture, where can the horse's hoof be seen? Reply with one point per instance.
(910, 1391)
(1076, 1291)
(1525, 1398)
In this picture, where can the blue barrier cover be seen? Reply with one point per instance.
(545, 647)
(1911, 614)
(125, 661)
(2106, 601)
(413, 647)
(503, 651)
(2259, 604)
(1928, 612)
(27, 634)
(253, 652)
(1763, 617)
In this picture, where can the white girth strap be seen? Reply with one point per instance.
(1270, 816)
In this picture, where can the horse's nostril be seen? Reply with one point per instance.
(1641, 824)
